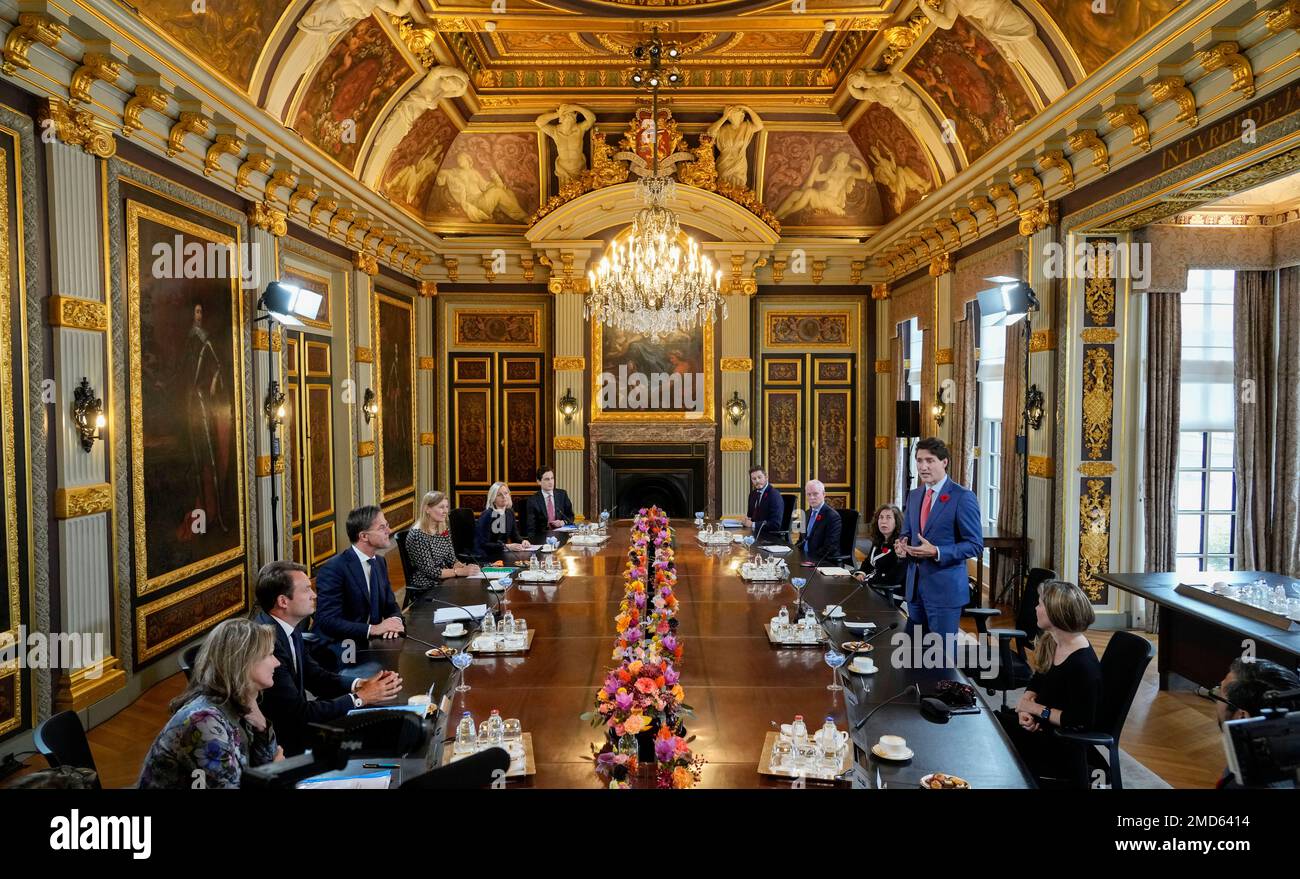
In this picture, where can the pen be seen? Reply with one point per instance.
(380, 766)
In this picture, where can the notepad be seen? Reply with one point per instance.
(777, 548)
(414, 709)
(381, 780)
(567, 528)
(492, 573)
(732, 523)
(447, 614)
(834, 572)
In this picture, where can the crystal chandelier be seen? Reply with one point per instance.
(657, 281)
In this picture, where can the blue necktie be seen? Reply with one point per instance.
(811, 522)
(374, 592)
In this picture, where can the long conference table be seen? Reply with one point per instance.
(735, 680)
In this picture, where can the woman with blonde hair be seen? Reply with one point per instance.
(496, 531)
(217, 729)
(429, 546)
(1065, 690)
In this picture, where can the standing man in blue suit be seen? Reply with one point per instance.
(942, 529)
(354, 598)
(765, 506)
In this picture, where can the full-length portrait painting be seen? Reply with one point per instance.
(668, 377)
(186, 381)
(395, 366)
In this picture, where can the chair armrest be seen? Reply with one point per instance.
(1104, 740)
(1007, 634)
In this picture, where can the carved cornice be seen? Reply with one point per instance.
(569, 443)
(190, 122)
(1004, 190)
(1027, 177)
(365, 263)
(856, 267)
(981, 205)
(1128, 115)
(1055, 159)
(224, 145)
(95, 67)
(78, 314)
(304, 192)
(78, 128)
(83, 500)
(147, 97)
(737, 364)
(737, 444)
(281, 178)
(1087, 139)
(32, 28)
(324, 205)
(452, 265)
(1228, 54)
(941, 265)
(1174, 88)
(1038, 218)
(268, 219)
(818, 270)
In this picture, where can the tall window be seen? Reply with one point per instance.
(1207, 483)
(992, 362)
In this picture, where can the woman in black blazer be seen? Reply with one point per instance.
(496, 531)
(882, 567)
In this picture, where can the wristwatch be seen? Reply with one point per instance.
(1046, 714)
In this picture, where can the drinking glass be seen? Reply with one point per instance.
(834, 659)
(461, 659)
(699, 520)
(514, 731)
(520, 634)
(505, 583)
(484, 735)
(782, 752)
(798, 582)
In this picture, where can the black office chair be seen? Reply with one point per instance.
(187, 658)
(1122, 667)
(411, 592)
(1013, 644)
(476, 771)
(787, 515)
(61, 740)
(848, 537)
(460, 522)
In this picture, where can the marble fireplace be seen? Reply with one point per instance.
(673, 466)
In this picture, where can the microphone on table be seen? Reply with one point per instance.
(888, 628)
(910, 687)
(759, 533)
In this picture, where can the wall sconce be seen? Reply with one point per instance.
(274, 405)
(736, 408)
(369, 405)
(568, 405)
(1034, 405)
(87, 414)
(939, 409)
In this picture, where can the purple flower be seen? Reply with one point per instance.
(623, 701)
(663, 750)
(670, 674)
(670, 643)
(611, 685)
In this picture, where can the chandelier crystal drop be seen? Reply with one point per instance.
(656, 280)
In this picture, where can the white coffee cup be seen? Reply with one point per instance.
(422, 699)
(454, 630)
(893, 745)
(863, 664)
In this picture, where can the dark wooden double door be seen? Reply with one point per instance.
(498, 424)
(810, 423)
(308, 441)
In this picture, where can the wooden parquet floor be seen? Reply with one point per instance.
(1172, 733)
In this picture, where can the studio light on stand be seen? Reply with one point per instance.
(286, 305)
(1005, 305)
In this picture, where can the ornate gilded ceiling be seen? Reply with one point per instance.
(850, 113)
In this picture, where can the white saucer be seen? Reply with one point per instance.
(875, 749)
(461, 634)
(861, 671)
(837, 616)
(545, 548)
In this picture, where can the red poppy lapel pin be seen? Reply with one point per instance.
(943, 498)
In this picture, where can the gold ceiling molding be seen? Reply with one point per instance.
(560, 364)
(1056, 160)
(1099, 335)
(1228, 54)
(427, 363)
(882, 442)
(737, 364)
(366, 449)
(32, 28)
(324, 205)
(1128, 115)
(95, 67)
(1096, 468)
(1039, 217)
(1002, 190)
(304, 192)
(78, 314)
(901, 37)
(223, 145)
(365, 263)
(146, 97)
(428, 439)
(737, 444)
(1042, 340)
(452, 265)
(268, 219)
(941, 265)
(942, 357)
(1087, 139)
(1040, 466)
(884, 367)
(569, 443)
(264, 465)
(78, 128)
(281, 178)
(1174, 88)
(818, 270)
(1285, 17)
(880, 291)
(189, 122)
(83, 500)
(1026, 176)
(856, 268)
(365, 355)
(982, 205)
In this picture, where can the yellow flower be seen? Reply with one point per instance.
(678, 693)
(634, 667)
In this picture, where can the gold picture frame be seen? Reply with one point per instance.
(706, 416)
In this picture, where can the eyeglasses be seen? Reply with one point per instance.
(1213, 695)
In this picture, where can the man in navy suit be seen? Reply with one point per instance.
(285, 596)
(547, 509)
(822, 535)
(942, 529)
(354, 598)
(763, 512)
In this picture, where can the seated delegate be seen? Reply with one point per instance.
(496, 531)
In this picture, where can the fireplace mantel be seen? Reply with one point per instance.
(658, 432)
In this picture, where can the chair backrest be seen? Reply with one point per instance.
(61, 740)
(402, 553)
(1122, 666)
(460, 522)
(848, 531)
(1026, 613)
(476, 771)
(187, 657)
(791, 501)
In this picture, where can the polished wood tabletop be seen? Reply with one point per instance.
(735, 680)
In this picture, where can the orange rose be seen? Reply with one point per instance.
(645, 685)
(682, 778)
(634, 724)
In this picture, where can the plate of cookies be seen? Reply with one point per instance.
(443, 652)
(944, 781)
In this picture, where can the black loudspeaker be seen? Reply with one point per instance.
(907, 418)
